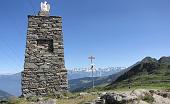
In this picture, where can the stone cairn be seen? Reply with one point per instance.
(44, 69)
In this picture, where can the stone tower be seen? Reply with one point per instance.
(44, 69)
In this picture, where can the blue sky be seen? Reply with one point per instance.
(116, 32)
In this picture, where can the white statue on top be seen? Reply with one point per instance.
(45, 7)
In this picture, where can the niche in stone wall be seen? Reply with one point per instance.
(46, 44)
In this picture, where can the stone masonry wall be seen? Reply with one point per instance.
(44, 69)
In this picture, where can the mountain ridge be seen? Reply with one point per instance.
(4, 95)
(147, 73)
(15, 81)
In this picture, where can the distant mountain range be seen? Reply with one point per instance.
(12, 83)
(85, 83)
(100, 72)
(147, 73)
(4, 95)
(81, 84)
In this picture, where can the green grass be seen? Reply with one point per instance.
(126, 88)
(77, 99)
(70, 98)
(148, 98)
(15, 100)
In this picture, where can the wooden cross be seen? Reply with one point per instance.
(91, 59)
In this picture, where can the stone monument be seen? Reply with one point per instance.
(44, 68)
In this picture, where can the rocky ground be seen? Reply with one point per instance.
(139, 96)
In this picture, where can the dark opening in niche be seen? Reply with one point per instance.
(44, 42)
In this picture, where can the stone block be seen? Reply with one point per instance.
(30, 65)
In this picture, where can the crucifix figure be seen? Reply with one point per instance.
(92, 67)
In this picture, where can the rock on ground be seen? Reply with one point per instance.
(160, 100)
(139, 96)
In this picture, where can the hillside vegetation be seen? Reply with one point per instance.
(149, 73)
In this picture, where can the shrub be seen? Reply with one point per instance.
(148, 98)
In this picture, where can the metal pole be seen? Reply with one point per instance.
(92, 77)
(92, 68)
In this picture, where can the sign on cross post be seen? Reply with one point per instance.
(92, 67)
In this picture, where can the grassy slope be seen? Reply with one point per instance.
(71, 99)
(78, 99)
(147, 74)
